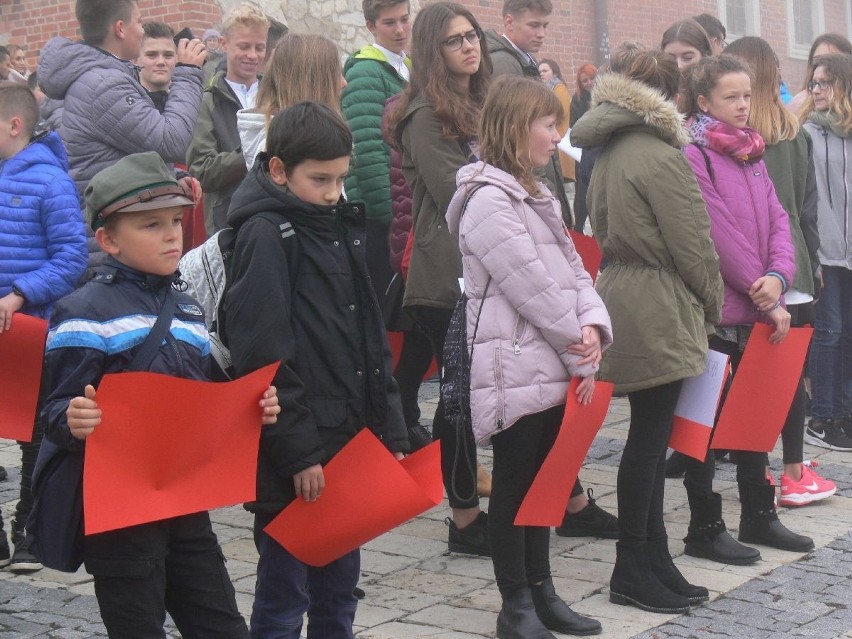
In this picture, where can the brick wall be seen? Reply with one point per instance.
(571, 39)
(31, 23)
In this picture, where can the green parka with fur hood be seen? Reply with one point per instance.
(662, 285)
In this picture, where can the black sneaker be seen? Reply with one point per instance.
(3, 474)
(592, 521)
(419, 436)
(472, 539)
(827, 433)
(23, 560)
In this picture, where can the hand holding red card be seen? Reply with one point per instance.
(548, 496)
(367, 493)
(757, 404)
(168, 446)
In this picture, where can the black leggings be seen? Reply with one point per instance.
(413, 363)
(642, 471)
(792, 437)
(521, 554)
(751, 466)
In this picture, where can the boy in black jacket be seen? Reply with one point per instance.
(300, 294)
(175, 565)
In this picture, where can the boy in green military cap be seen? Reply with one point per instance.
(174, 565)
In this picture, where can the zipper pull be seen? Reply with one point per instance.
(516, 344)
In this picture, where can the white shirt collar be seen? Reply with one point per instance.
(521, 51)
(247, 95)
(396, 60)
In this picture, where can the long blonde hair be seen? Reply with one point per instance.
(768, 115)
(513, 103)
(303, 67)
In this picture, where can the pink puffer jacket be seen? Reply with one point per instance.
(538, 300)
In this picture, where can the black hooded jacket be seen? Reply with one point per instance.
(322, 322)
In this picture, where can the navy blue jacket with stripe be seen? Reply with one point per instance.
(98, 329)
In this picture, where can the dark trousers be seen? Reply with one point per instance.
(521, 554)
(287, 589)
(378, 258)
(29, 454)
(173, 565)
(458, 448)
(751, 466)
(642, 471)
(792, 436)
(830, 360)
(413, 363)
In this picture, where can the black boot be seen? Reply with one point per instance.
(518, 619)
(666, 571)
(707, 536)
(556, 615)
(759, 522)
(633, 583)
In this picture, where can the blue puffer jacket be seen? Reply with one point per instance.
(42, 237)
(108, 114)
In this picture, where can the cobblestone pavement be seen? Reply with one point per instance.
(416, 590)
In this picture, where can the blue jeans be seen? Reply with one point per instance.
(831, 348)
(287, 589)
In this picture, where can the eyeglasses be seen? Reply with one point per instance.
(455, 43)
(824, 85)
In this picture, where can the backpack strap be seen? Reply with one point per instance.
(292, 249)
(707, 163)
(148, 351)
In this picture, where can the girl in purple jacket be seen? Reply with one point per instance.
(751, 232)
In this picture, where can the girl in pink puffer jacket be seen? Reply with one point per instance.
(541, 324)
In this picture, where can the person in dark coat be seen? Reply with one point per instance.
(309, 305)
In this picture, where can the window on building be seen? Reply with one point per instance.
(805, 21)
(740, 17)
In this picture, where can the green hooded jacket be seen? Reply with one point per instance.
(371, 80)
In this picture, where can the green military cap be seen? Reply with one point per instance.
(138, 182)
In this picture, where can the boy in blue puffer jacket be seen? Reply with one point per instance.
(42, 253)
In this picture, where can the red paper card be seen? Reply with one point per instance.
(367, 493)
(22, 354)
(545, 502)
(762, 391)
(589, 251)
(168, 446)
(696, 408)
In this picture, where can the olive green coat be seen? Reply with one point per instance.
(662, 285)
(430, 161)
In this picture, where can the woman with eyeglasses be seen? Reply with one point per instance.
(827, 116)
(435, 124)
(825, 44)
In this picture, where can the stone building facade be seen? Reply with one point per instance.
(580, 30)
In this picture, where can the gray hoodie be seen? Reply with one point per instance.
(833, 163)
(108, 113)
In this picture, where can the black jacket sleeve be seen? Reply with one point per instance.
(257, 311)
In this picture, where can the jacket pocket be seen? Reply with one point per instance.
(519, 333)
(328, 412)
(500, 411)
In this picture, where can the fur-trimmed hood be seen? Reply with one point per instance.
(620, 103)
